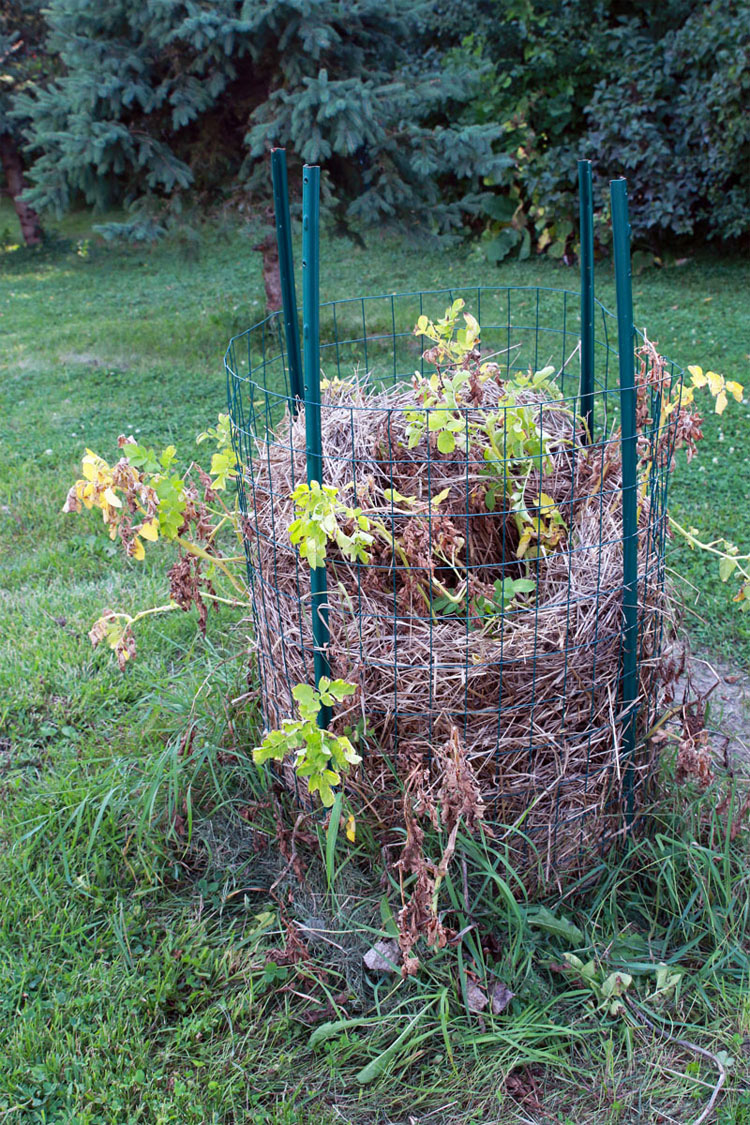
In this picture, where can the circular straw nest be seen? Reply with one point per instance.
(532, 697)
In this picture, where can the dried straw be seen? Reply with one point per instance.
(534, 700)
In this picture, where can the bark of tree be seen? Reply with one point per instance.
(271, 279)
(31, 228)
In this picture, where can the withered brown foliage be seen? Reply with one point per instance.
(124, 648)
(459, 801)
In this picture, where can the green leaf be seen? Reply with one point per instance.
(319, 784)
(331, 836)
(501, 207)
(334, 1028)
(522, 585)
(308, 700)
(378, 1065)
(340, 689)
(142, 458)
(386, 916)
(727, 566)
(500, 247)
(543, 919)
(616, 984)
(167, 457)
(446, 442)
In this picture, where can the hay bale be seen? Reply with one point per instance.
(533, 695)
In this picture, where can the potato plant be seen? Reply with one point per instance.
(143, 496)
(320, 757)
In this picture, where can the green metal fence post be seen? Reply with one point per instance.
(625, 347)
(311, 337)
(587, 294)
(286, 272)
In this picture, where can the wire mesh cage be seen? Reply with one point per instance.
(510, 599)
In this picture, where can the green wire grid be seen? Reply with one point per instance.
(529, 327)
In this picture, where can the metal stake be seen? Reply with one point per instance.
(625, 333)
(286, 273)
(587, 295)
(311, 338)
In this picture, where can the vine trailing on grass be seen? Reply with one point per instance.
(688, 434)
(141, 498)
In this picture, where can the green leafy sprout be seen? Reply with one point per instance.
(510, 439)
(224, 462)
(451, 346)
(323, 518)
(505, 594)
(320, 757)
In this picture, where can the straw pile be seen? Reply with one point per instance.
(533, 699)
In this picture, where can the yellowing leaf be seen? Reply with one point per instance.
(715, 382)
(351, 829)
(112, 498)
(86, 491)
(397, 497)
(699, 379)
(523, 545)
(735, 389)
(721, 402)
(472, 329)
(150, 530)
(138, 552)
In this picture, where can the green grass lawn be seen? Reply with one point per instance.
(149, 976)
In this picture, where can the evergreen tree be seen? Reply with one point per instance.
(21, 65)
(158, 96)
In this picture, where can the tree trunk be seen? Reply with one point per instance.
(31, 228)
(271, 279)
